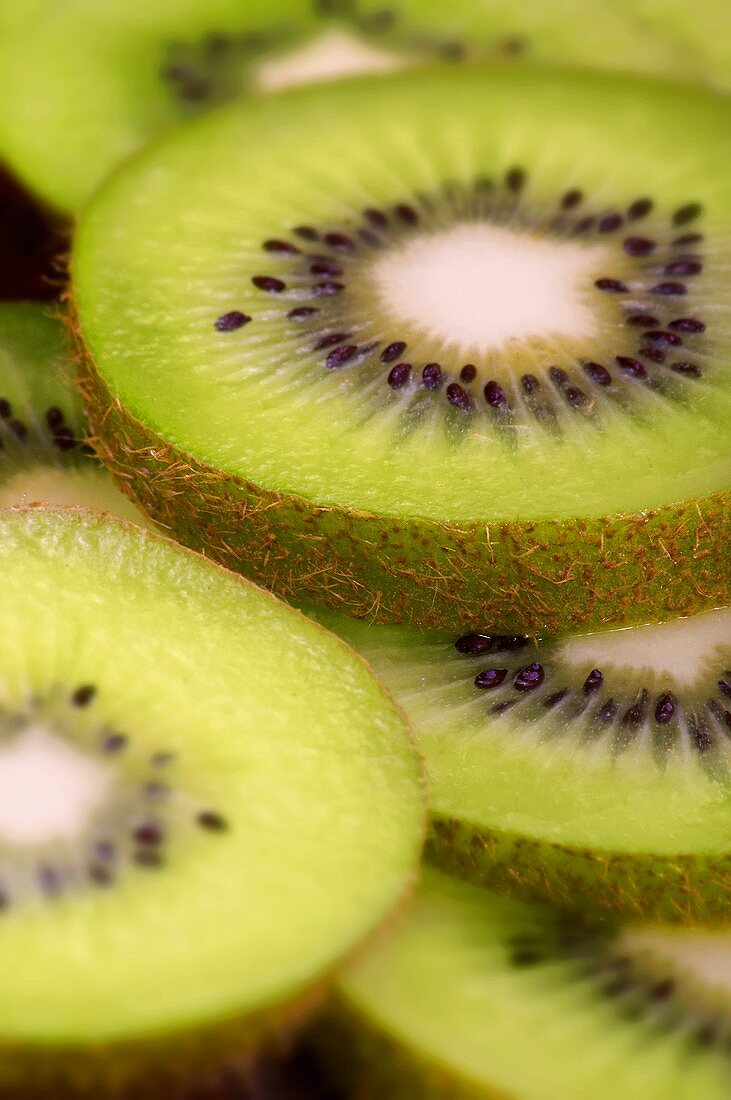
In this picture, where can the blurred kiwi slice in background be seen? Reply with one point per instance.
(594, 770)
(473, 996)
(206, 801)
(43, 454)
(454, 357)
(129, 70)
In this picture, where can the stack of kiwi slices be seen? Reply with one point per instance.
(437, 353)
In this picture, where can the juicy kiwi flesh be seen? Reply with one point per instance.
(184, 763)
(328, 364)
(594, 769)
(476, 996)
(591, 35)
(132, 72)
(43, 457)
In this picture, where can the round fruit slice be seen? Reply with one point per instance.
(68, 116)
(474, 997)
(387, 346)
(42, 455)
(127, 72)
(205, 801)
(595, 769)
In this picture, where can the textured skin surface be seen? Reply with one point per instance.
(683, 889)
(551, 576)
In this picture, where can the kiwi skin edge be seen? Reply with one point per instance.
(369, 1065)
(169, 1065)
(547, 576)
(673, 888)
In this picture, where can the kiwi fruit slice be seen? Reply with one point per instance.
(474, 996)
(68, 116)
(43, 456)
(591, 35)
(206, 800)
(594, 769)
(434, 364)
(129, 71)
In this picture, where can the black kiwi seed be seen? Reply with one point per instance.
(431, 376)
(229, 322)
(655, 355)
(495, 394)
(214, 822)
(342, 355)
(83, 695)
(281, 246)
(269, 283)
(593, 681)
(6, 409)
(665, 708)
(114, 742)
(642, 320)
(399, 375)
(457, 396)
(530, 677)
(54, 418)
(490, 677)
(687, 213)
(468, 373)
(597, 373)
(638, 246)
(515, 179)
(664, 339)
(612, 285)
(690, 369)
(340, 241)
(683, 267)
(473, 643)
(301, 313)
(669, 289)
(687, 324)
(393, 351)
(530, 383)
(639, 209)
(631, 366)
(376, 217)
(571, 199)
(610, 222)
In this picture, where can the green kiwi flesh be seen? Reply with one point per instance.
(591, 35)
(128, 72)
(703, 32)
(43, 458)
(68, 116)
(474, 996)
(594, 770)
(186, 765)
(256, 383)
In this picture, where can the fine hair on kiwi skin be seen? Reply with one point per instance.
(592, 771)
(44, 453)
(628, 558)
(475, 997)
(96, 1035)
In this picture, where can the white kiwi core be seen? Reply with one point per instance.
(49, 789)
(704, 956)
(475, 287)
(329, 56)
(679, 650)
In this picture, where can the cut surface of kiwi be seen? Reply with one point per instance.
(67, 116)
(128, 72)
(205, 801)
(423, 360)
(595, 769)
(475, 996)
(43, 458)
(590, 35)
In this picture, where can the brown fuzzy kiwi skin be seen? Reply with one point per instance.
(368, 1064)
(176, 1067)
(678, 889)
(550, 576)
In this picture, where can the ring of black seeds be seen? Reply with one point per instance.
(313, 288)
